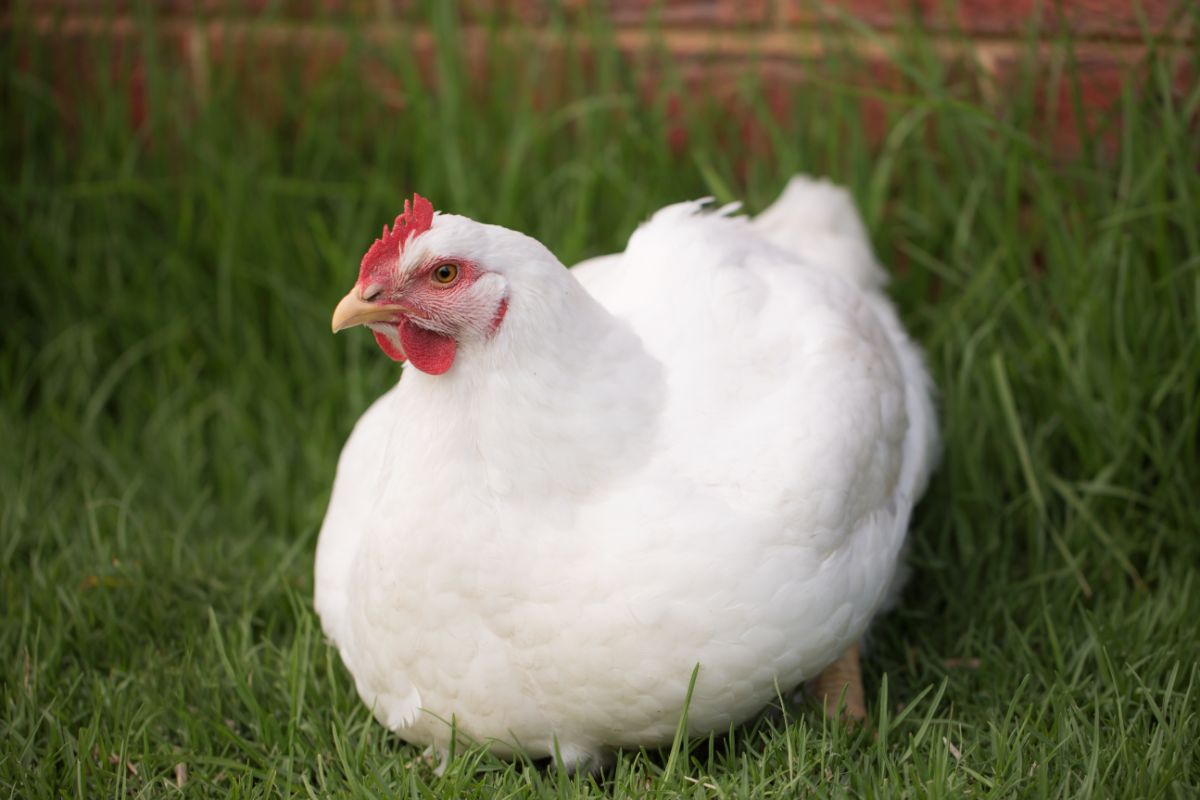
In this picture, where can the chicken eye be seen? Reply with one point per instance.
(445, 273)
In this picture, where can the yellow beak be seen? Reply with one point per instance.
(353, 310)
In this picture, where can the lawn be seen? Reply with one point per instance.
(172, 405)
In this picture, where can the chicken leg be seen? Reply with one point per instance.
(842, 675)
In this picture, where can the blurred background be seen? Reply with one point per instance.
(187, 187)
(678, 49)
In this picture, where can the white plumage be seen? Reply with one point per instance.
(702, 451)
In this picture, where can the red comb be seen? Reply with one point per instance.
(415, 220)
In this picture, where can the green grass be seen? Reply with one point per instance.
(172, 405)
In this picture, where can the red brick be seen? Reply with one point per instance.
(1089, 18)
(1115, 18)
(235, 9)
(506, 11)
(877, 13)
(1073, 104)
(268, 53)
(676, 12)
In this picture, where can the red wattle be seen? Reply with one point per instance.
(428, 351)
(388, 346)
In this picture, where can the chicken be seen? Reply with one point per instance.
(694, 461)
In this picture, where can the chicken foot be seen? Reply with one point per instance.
(843, 675)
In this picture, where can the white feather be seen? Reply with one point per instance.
(703, 451)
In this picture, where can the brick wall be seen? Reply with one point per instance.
(711, 42)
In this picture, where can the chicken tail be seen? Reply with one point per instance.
(816, 221)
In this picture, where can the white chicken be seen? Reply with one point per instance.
(698, 455)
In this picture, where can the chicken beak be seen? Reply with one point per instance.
(353, 310)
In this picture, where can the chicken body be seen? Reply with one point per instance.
(698, 455)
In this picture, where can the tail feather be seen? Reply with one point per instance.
(817, 221)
